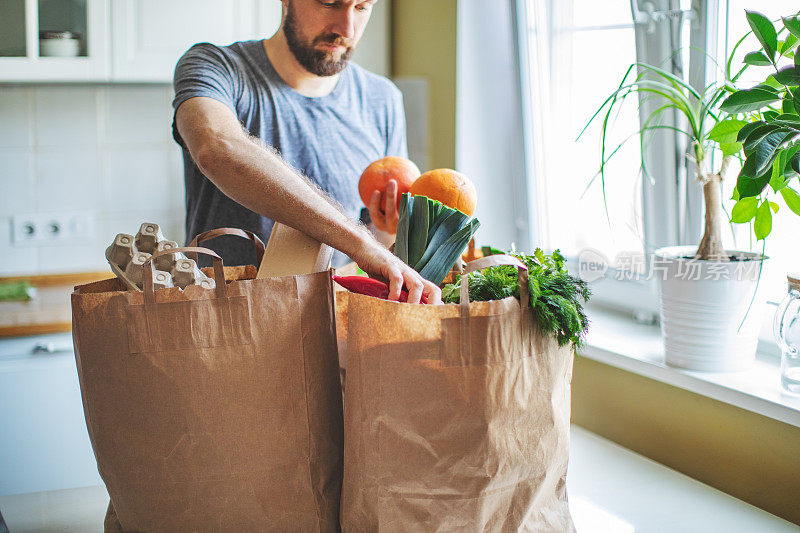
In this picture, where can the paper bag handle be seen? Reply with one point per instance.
(219, 273)
(214, 233)
(490, 261)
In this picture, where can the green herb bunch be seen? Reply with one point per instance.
(557, 297)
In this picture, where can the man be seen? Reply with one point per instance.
(249, 114)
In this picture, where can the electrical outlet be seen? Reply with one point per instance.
(52, 229)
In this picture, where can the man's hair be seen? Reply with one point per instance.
(315, 61)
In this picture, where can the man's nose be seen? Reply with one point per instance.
(344, 23)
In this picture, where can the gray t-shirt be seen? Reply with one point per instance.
(331, 139)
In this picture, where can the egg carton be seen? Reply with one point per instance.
(128, 254)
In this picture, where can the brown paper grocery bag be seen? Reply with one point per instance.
(213, 410)
(456, 416)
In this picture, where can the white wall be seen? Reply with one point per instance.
(105, 150)
(489, 141)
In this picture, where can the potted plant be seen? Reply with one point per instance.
(710, 317)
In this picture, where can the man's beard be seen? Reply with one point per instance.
(317, 62)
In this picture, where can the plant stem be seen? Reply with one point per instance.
(711, 248)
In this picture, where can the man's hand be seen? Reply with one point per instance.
(377, 260)
(259, 179)
(385, 221)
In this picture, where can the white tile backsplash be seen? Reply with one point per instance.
(138, 180)
(14, 260)
(139, 115)
(68, 179)
(106, 150)
(15, 128)
(15, 181)
(65, 116)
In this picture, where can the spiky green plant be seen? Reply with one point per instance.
(557, 298)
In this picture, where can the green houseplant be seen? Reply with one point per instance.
(769, 134)
(706, 318)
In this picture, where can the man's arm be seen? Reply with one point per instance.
(258, 178)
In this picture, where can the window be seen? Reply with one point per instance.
(580, 50)
(577, 52)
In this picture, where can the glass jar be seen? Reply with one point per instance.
(787, 333)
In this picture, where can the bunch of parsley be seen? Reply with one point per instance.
(557, 298)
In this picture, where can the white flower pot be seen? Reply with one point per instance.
(703, 304)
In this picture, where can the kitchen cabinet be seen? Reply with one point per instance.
(149, 36)
(45, 444)
(122, 40)
(22, 58)
(130, 41)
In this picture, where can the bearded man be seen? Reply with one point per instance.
(281, 129)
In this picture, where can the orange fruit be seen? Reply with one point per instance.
(377, 175)
(451, 188)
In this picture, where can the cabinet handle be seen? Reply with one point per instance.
(50, 347)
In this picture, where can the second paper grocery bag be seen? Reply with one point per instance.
(214, 410)
(456, 417)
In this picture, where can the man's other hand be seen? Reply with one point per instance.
(385, 221)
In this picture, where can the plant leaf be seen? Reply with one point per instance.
(763, 223)
(418, 227)
(749, 184)
(796, 101)
(764, 32)
(792, 199)
(789, 119)
(757, 135)
(764, 152)
(401, 237)
(757, 58)
(725, 131)
(789, 76)
(448, 253)
(730, 148)
(792, 24)
(446, 225)
(748, 100)
(793, 164)
(774, 206)
(748, 128)
(443, 212)
(744, 210)
(777, 180)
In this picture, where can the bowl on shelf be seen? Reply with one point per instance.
(59, 44)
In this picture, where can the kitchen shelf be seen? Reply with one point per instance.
(20, 52)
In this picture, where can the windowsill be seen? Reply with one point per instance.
(617, 340)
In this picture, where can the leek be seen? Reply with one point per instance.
(431, 236)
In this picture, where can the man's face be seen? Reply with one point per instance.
(322, 35)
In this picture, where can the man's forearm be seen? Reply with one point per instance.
(258, 178)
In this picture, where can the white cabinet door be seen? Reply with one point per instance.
(44, 444)
(93, 63)
(149, 36)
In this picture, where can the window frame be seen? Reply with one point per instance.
(672, 202)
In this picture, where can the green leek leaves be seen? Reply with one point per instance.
(431, 236)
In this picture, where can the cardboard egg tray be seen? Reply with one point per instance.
(127, 255)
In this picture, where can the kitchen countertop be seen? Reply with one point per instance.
(611, 489)
(50, 310)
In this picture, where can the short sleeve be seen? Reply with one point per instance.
(204, 70)
(396, 139)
